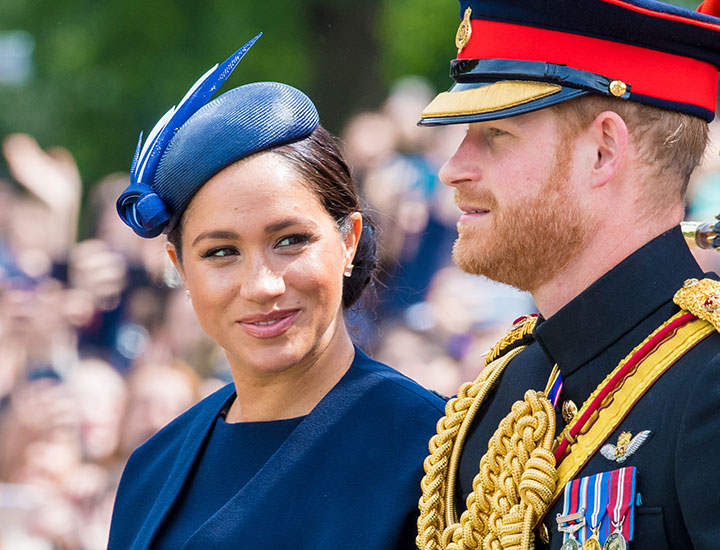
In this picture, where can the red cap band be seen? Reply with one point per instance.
(651, 73)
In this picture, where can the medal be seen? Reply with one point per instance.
(616, 541)
(570, 544)
(554, 386)
(596, 499)
(569, 524)
(593, 543)
(598, 511)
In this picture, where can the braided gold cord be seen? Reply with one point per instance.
(519, 330)
(437, 464)
(516, 478)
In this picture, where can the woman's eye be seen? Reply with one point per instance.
(291, 240)
(496, 132)
(220, 252)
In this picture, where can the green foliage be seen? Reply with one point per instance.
(418, 37)
(688, 4)
(105, 70)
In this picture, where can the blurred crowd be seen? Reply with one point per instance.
(99, 347)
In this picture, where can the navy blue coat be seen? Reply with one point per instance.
(678, 467)
(347, 477)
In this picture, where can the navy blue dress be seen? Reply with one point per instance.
(233, 454)
(347, 476)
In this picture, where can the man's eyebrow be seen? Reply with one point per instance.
(216, 234)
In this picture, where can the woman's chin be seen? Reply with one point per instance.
(268, 358)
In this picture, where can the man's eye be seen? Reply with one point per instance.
(292, 240)
(496, 132)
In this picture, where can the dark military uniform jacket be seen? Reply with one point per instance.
(678, 466)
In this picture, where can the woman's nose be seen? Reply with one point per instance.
(261, 283)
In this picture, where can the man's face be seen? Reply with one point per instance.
(523, 220)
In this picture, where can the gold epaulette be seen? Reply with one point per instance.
(518, 334)
(702, 299)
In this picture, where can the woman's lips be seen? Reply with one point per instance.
(268, 325)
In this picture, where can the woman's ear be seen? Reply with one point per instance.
(173, 255)
(352, 238)
(609, 136)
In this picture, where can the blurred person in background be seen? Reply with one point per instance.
(157, 393)
(265, 228)
(395, 164)
(125, 277)
(437, 341)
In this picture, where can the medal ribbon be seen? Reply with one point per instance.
(606, 497)
(596, 498)
(555, 385)
(621, 499)
(575, 492)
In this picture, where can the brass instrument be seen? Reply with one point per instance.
(702, 234)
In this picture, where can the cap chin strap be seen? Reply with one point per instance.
(492, 70)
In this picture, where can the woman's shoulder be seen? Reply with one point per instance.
(198, 417)
(405, 390)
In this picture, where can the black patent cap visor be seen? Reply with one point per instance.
(490, 89)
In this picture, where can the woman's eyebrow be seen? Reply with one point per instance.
(282, 224)
(215, 234)
(271, 228)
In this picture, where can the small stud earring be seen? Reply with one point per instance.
(348, 270)
(187, 295)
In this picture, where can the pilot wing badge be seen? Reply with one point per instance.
(626, 446)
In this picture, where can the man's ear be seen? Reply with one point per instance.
(173, 255)
(609, 135)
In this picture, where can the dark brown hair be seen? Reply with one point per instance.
(320, 165)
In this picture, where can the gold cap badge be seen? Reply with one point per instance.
(617, 88)
(462, 37)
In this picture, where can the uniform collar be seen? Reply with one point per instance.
(617, 302)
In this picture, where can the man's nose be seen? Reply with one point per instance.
(462, 167)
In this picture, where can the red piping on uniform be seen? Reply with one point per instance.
(615, 380)
(670, 16)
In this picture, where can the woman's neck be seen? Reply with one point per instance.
(295, 391)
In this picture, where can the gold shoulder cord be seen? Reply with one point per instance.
(702, 299)
(516, 479)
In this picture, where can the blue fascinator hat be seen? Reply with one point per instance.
(194, 141)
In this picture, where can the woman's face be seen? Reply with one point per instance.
(264, 264)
